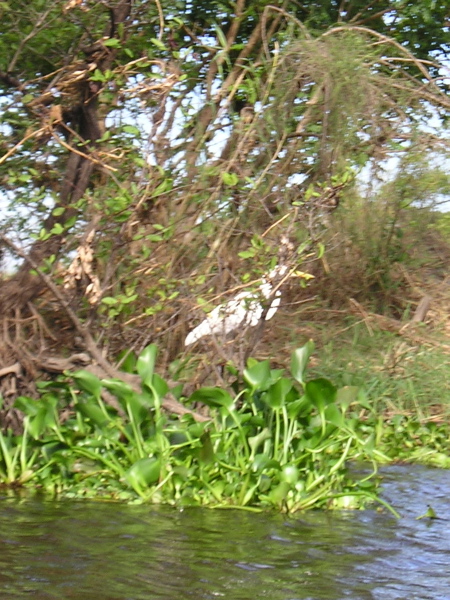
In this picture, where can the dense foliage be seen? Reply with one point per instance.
(278, 441)
(155, 154)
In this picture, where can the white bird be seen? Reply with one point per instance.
(244, 310)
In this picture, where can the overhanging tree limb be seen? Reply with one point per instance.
(88, 127)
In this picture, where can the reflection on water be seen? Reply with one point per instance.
(104, 551)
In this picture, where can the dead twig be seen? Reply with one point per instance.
(108, 370)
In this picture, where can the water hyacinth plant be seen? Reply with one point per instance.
(276, 441)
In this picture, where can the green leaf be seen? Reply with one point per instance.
(278, 494)
(131, 129)
(221, 37)
(299, 407)
(112, 43)
(119, 388)
(321, 392)
(88, 382)
(109, 301)
(206, 453)
(51, 448)
(230, 179)
(105, 137)
(44, 419)
(146, 364)
(27, 405)
(196, 430)
(137, 406)
(158, 44)
(144, 472)
(92, 412)
(348, 395)
(212, 396)
(263, 462)
(247, 253)
(290, 474)
(299, 361)
(97, 75)
(159, 385)
(57, 229)
(164, 186)
(127, 364)
(334, 415)
(58, 211)
(255, 441)
(258, 375)
(429, 514)
(276, 395)
(127, 299)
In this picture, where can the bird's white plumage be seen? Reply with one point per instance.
(244, 310)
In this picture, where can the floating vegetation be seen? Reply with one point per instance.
(278, 441)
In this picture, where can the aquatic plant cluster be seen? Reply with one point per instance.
(277, 441)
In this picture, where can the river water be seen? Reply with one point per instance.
(106, 551)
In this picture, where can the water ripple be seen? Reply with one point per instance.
(81, 550)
